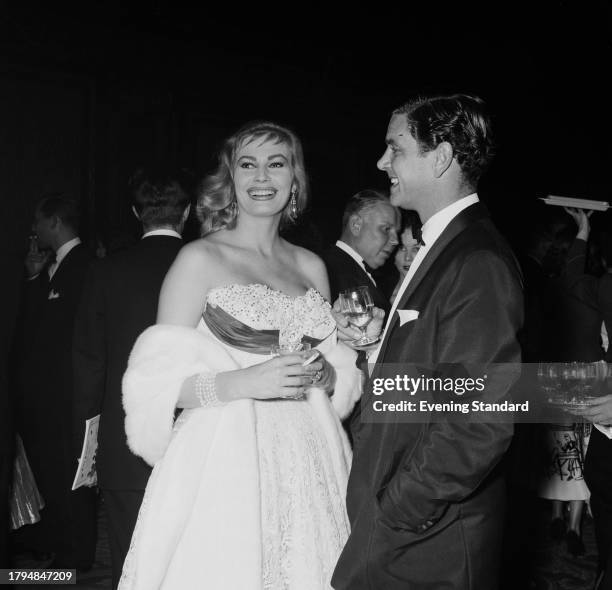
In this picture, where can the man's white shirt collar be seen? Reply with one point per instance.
(437, 223)
(355, 256)
(431, 231)
(161, 232)
(61, 253)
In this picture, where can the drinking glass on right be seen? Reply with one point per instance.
(584, 384)
(356, 304)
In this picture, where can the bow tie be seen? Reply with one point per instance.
(368, 268)
(52, 265)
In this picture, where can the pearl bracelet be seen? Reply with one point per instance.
(206, 390)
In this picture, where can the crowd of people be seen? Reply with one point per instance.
(224, 464)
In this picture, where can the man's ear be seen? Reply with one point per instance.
(135, 213)
(442, 158)
(355, 224)
(186, 212)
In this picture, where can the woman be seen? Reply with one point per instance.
(249, 483)
(410, 242)
(574, 336)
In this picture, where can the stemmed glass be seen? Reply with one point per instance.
(583, 385)
(549, 377)
(356, 304)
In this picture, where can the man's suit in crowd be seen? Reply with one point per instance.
(119, 302)
(344, 272)
(67, 525)
(425, 499)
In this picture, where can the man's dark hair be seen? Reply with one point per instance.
(460, 120)
(160, 196)
(58, 205)
(361, 202)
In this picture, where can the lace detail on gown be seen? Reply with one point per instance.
(303, 516)
(264, 308)
(304, 524)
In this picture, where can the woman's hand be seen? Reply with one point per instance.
(282, 376)
(582, 221)
(325, 376)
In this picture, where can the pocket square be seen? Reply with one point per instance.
(407, 315)
(53, 295)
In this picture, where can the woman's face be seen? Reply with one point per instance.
(405, 254)
(263, 177)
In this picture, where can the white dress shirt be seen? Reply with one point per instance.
(431, 231)
(61, 253)
(355, 256)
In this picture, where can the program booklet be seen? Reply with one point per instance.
(86, 471)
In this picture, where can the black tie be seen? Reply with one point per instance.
(368, 268)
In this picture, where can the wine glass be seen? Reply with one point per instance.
(356, 304)
(585, 387)
(551, 379)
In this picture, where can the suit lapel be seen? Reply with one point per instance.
(364, 275)
(62, 267)
(452, 230)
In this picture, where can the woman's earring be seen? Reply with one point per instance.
(293, 207)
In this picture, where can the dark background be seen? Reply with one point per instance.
(89, 90)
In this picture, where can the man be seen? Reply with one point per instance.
(52, 292)
(119, 302)
(370, 225)
(425, 499)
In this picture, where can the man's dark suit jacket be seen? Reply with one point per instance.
(424, 499)
(67, 526)
(344, 273)
(119, 302)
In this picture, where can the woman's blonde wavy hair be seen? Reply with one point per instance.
(216, 206)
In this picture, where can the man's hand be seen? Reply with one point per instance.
(599, 410)
(346, 333)
(35, 262)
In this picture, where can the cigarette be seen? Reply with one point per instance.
(311, 358)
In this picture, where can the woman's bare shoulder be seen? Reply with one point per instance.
(312, 267)
(202, 250)
(307, 258)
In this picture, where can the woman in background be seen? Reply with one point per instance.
(410, 242)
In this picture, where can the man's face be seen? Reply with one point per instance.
(43, 228)
(410, 172)
(376, 236)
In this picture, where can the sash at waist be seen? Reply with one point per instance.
(238, 335)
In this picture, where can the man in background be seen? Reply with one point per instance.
(119, 302)
(56, 265)
(370, 226)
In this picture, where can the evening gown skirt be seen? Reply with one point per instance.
(563, 477)
(294, 460)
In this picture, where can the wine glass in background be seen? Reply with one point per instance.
(587, 381)
(549, 378)
(356, 304)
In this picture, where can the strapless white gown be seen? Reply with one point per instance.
(302, 456)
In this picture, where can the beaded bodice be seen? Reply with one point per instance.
(260, 308)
